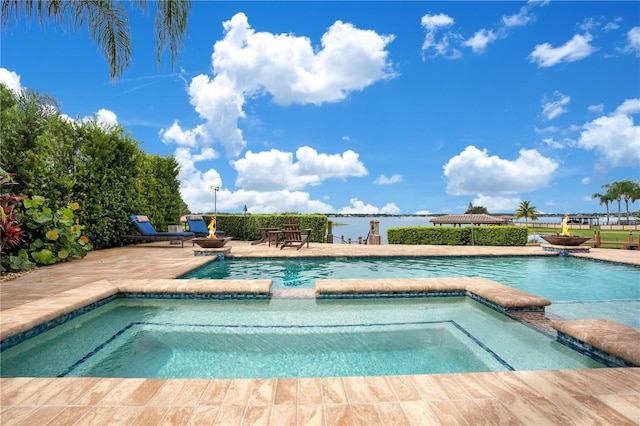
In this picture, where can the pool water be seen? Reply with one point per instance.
(287, 338)
(572, 284)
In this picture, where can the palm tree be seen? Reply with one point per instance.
(635, 193)
(622, 189)
(108, 24)
(527, 211)
(630, 189)
(614, 192)
(603, 199)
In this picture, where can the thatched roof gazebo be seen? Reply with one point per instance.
(468, 219)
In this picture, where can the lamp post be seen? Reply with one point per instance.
(244, 222)
(215, 199)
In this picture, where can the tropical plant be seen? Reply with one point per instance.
(631, 190)
(603, 199)
(11, 233)
(108, 24)
(54, 236)
(527, 211)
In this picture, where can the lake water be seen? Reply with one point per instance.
(358, 226)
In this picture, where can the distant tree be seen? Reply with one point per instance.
(108, 24)
(476, 209)
(631, 192)
(527, 211)
(623, 189)
(603, 199)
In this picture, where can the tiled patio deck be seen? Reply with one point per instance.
(600, 396)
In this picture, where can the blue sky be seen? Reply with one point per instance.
(367, 107)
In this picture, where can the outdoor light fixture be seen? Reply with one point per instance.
(215, 199)
(244, 221)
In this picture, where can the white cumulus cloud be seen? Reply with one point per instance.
(577, 48)
(474, 172)
(629, 107)
(497, 204)
(105, 117)
(175, 134)
(247, 64)
(359, 207)
(615, 138)
(277, 170)
(11, 80)
(283, 201)
(480, 40)
(633, 41)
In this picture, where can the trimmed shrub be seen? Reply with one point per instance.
(243, 227)
(441, 235)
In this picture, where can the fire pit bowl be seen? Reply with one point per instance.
(211, 242)
(564, 240)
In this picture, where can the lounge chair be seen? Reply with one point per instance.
(149, 233)
(293, 235)
(264, 234)
(197, 225)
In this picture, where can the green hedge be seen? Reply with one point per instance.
(103, 169)
(478, 235)
(244, 227)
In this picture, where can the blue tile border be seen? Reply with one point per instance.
(563, 251)
(389, 294)
(195, 296)
(46, 326)
(67, 371)
(217, 255)
(503, 309)
(592, 352)
(11, 341)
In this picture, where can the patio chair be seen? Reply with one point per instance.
(264, 233)
(293, 235)
(149, 233)
(197, 225)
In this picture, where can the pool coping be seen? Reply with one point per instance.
(613, 346)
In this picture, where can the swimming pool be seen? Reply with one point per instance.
(578, 288)
(287, 338)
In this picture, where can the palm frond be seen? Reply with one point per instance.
(171, 27)
(108, 25)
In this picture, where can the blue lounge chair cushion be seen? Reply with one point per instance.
(197, 224)
(143, 225)
(146, 228)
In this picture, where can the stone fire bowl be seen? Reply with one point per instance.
(211, 242)
(564, 240)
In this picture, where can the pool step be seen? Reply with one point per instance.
(613, 344)
(499, 296)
